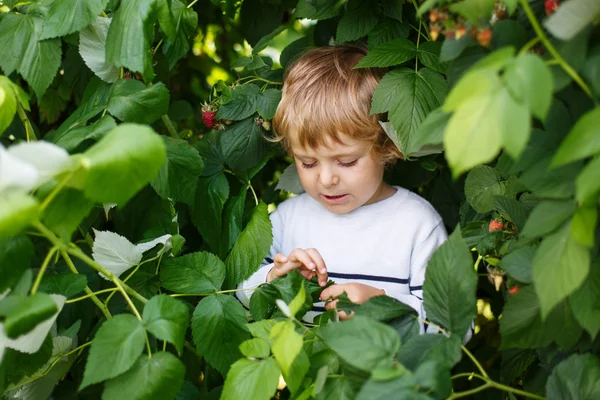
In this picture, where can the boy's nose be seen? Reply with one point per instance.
(327, 178)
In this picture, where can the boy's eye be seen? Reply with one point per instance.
(307, 165)
(349, 164)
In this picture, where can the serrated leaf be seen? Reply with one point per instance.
(195, 273)
(167, 319)
(150, 378)
(429, 54)
(560, 266)
(166, 19)
(450, 285)
(267, 102)
(481, 185)
(358, 20)
(429, 136)
(68, 16)
(211, 194)
(362, 342)
(122, 162)
(324, 9)
(266, 40)
(22, 50)
(186, 22)
(255, 348)
(250, 248)
(92, 47)
(15, 257)
(114, 252)
(583, 140)
(128, 39)
(287, 344)
(132, 101)
(511, 209)
(251, 379)
(178, 177)
(218, 329)
(66, 285)
(408, 97)
(392, 8)
(389, 53)
(387, 29)
(262, 301)
(572, 17)
(74, 137)
(576, 378)
(114, 350)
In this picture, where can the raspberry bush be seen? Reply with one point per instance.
(129, 212)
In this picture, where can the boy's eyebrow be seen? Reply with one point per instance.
(337, 155)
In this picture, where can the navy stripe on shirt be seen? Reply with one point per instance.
(415, 287)
(269, 260)
(368, 277)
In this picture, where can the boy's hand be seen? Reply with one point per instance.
(357, 293)
(307, 261)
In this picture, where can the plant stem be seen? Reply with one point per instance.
(40, 274)
(542, 36)
(192, 3)
(472, 357)
(470, 392)
(253, 192)
(424, 26)
(209, 294)
(418, 40)
(148, 345)
(170, 127)
(129, 276)
(157, 47)
(58, 188)
(87, 289)
(29, 132)
(529, 45)
(468, 374)
(417, 30)
(90, 295)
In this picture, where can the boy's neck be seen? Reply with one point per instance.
(384, 191)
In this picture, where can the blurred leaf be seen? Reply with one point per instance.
(17, 211)
(572, 17)
(587, 185)
(255, 348)
(548, 216)
(518, 264)
(8, 103)
(252, 379)
(287, 344)
(583, 140)
(66, 211)
(28, 314)
(16, 253)
(576, 378)
(585, 302)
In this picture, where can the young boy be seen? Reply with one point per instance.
(349, 226)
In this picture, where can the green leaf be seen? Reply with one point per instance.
(474, 9)
(167, 319)
(186, 22)
(262, 301)
(472, 85)
(515, 362)
(529, 81)
(422, 348)
(392, 8)
(408, 97)
(218, 329)
(387, 29)
(430, 132)
(587, 185)
(389, 53)
(358, 20)
(251, 247)
(267, 102)
(287, 344)
(403, 387)
(122, 162)
(435, 377)
(211, 194)
(66, 285)
(8, 103)
(114, 252)
(298, 301)
(128, 39)
(66, 211)
(29, 313)
(481, 185)
(68, 16)
(233, 213)
(16, 253)
(572, 17)
(74, 137)
(250, 379)
(583, 225)
(243, 145)
(150, 378)
(132, 101)
(293, 50)
(518, 264)
(17, 211)
(450, 285)
(261, 329)
(178, 177)
(511, 209)
(585, 302)
(25, 364)
(429, 54)
(196, 273)
(583, 140)
(362, 342)
(166, 19)
(548, 216)
(92, 47)
(255, 348)
(576, 378)
(560, 266)
(22, 50)
(114, 350)
(543, 181)
(323, 9)
(264, 42)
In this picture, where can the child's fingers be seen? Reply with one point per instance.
(302, 257)
(321, 268)
(279, 258)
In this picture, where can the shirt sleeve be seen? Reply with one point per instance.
(260, 276)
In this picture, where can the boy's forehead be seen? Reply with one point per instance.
(330, 147)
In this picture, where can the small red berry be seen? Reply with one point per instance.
(460, 31)
(513, 290)
(208, 117)
(126, 76)
(433, 15)
(551, 6)
(495, 225)
(484, 37)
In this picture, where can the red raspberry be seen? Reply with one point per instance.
(551, 6)
(495, 225)
(513, 290)
(484, 37)
(208, 117)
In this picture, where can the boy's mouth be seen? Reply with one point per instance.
(334, 199)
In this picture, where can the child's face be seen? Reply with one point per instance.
(342, 177)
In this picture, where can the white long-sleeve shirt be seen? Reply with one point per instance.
(385, 245)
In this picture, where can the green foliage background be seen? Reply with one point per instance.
(126, 224)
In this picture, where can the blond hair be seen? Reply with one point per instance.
(323, 97)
